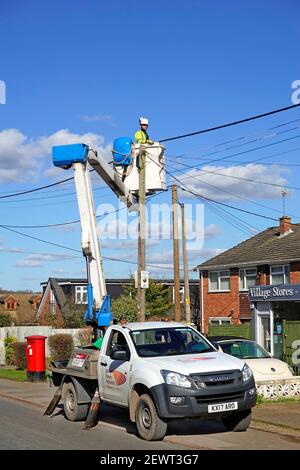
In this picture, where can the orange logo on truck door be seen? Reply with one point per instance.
(119, 377)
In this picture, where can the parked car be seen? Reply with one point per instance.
(262, 364)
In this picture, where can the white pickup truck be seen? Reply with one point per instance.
(159, 371)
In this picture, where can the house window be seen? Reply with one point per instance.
(80, 294)
(219, 321)
(219, 281)
(52, 304)
(10, 306)
(280, 275)
(247, 278)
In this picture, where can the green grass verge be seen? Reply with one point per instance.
(263, 401)
(13, 374)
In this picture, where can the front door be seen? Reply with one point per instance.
(114, 374)
(264, 326)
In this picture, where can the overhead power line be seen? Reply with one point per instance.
(229, 124)
(191, 177)
(73, 221)
(203, 131)
(78, 251)
(226, 205)
(243, 140)
(37, 189)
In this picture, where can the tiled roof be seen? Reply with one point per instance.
(109, 281)
(25, 309)
(265, 247)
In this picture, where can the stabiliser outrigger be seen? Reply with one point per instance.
(80, 375)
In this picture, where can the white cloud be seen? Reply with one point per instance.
(223, 187)
(58, 271)
(38, 260)
(22, 157)
(96, 117)
(125, 244)
(212, 231)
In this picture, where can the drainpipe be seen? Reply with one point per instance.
(202, 304)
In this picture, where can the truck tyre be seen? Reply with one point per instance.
(73, 411)
(237, 422)
(149, 425)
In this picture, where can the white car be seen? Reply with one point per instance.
(263, 365)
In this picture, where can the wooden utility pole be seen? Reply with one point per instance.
(176, 253)
(141, 235)
(187, 303)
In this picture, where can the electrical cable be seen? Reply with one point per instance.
(233, 123)
(227, 205)
(259, 138)
(201, 170)
(78, 251)
(74, 221)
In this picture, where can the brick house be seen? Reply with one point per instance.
(61, 297)
(271, 257)
(21, 307)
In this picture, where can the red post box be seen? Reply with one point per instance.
(35, 356)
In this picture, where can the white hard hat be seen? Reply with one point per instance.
(144, 121)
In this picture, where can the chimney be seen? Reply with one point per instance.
(285, 225)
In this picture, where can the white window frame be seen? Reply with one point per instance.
(52, 304)
(219, 321)
(244, 275)
(283, 271)
(219, 280)
(79, 292)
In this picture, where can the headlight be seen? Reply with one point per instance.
(247, 373)
(173, 378)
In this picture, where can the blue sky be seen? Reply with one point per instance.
(86, 71)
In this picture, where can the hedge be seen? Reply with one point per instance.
(61, 346)
(19, 354)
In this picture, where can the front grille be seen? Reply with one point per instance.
(217, 379)
(219, 398)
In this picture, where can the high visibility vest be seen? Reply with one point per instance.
(141, 137)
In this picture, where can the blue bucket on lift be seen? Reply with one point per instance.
(122, 151)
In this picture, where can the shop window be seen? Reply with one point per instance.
(247, 278)
(280, 274)
(219, 281)
(81, 294)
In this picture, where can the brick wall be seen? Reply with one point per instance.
(295, 272)
(220, 304)
(47, 317)
(244, 306)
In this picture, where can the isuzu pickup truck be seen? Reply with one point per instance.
(159, 371)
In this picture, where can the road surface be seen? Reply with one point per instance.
(23, 426)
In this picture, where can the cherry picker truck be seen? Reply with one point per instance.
(79, 156)
(159, 371)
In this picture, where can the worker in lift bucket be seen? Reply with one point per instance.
(141, 136)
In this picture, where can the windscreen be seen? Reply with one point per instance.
(169, 342)
(244, 349)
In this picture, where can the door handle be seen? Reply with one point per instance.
(103, 363)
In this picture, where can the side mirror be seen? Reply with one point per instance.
(120, 355)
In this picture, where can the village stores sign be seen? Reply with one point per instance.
(269, 293)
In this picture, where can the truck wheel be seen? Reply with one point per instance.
(73, 411)
(149, 425)
(239, 421)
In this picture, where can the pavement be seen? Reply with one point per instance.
(277, 418)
